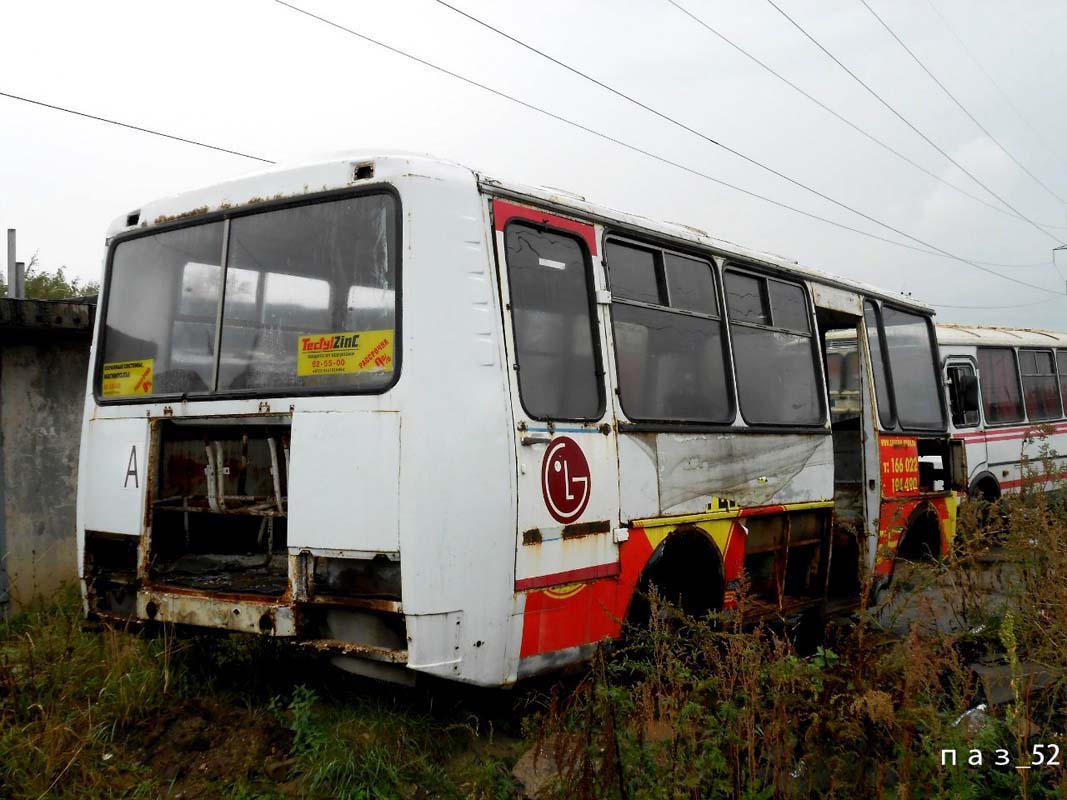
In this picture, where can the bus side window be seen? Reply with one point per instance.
(774, 355)
(960, 378)
(669, 339)
(1001, 394)
(1040, 390)
(551, 311)
(914, 376)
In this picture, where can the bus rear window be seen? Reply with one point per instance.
(307, 294)
(163, 295)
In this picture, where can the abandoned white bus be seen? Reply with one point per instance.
(1006, 389)
(427, 422)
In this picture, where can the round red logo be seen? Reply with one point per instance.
(565, 479)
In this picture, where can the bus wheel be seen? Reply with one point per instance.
(685, 572)
(985, 490)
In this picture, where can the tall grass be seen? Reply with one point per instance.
(687, 708)
(66, 698)
(694, 708)
(95, 711)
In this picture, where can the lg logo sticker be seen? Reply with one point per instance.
(565, 480)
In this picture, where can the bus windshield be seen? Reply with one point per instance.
(905, 341)
(287, 300)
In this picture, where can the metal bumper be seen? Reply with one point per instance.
(228, 613)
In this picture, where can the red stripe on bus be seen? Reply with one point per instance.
(568, 576)
(1007, 434)
(761, 510)
(1037, 480)
(1057, 424)
(504, 211)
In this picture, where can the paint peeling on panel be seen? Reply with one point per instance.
(753, 470)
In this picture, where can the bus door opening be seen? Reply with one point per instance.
(845, 383)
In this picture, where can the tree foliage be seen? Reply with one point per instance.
(43, 284)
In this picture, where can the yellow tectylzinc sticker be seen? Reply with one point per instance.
(345, 353)
(124, 378)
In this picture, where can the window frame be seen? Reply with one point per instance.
(594, 318)
(225, 216)
(1023, 420)
(1055, 374)
(897, 426)
(958, 362)
(658, 250)
(749, 270)
(1061, 375)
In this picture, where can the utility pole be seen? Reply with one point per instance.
(1054, 249)
(11, 261)
(16, 270)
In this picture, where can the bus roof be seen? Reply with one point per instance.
(577, 205)
(985, 335)
(337, 172)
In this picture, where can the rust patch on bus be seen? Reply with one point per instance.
(579, 529)
(532, 536)
(193, 212)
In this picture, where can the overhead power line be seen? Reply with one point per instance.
(1007, 99)
(673, 121)
(960, 105)
(1035, 265)
(135, 127)
(662, 159)
(863, 132)
(906, 121)
(992, 308)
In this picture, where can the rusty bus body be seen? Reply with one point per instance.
(389, 409)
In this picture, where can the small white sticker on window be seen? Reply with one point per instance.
(547, 262)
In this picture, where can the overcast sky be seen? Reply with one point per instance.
(254, 76)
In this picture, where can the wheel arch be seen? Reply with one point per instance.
(985, 485)
(922, 538)
(679, 568)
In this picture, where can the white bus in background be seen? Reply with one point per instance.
(1006, 389)
(392, 410)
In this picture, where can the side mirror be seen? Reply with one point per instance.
(968, 392)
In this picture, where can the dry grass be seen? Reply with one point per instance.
(110, 713)
(691, 708)
(695, 708)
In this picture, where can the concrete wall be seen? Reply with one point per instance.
(44, 354)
